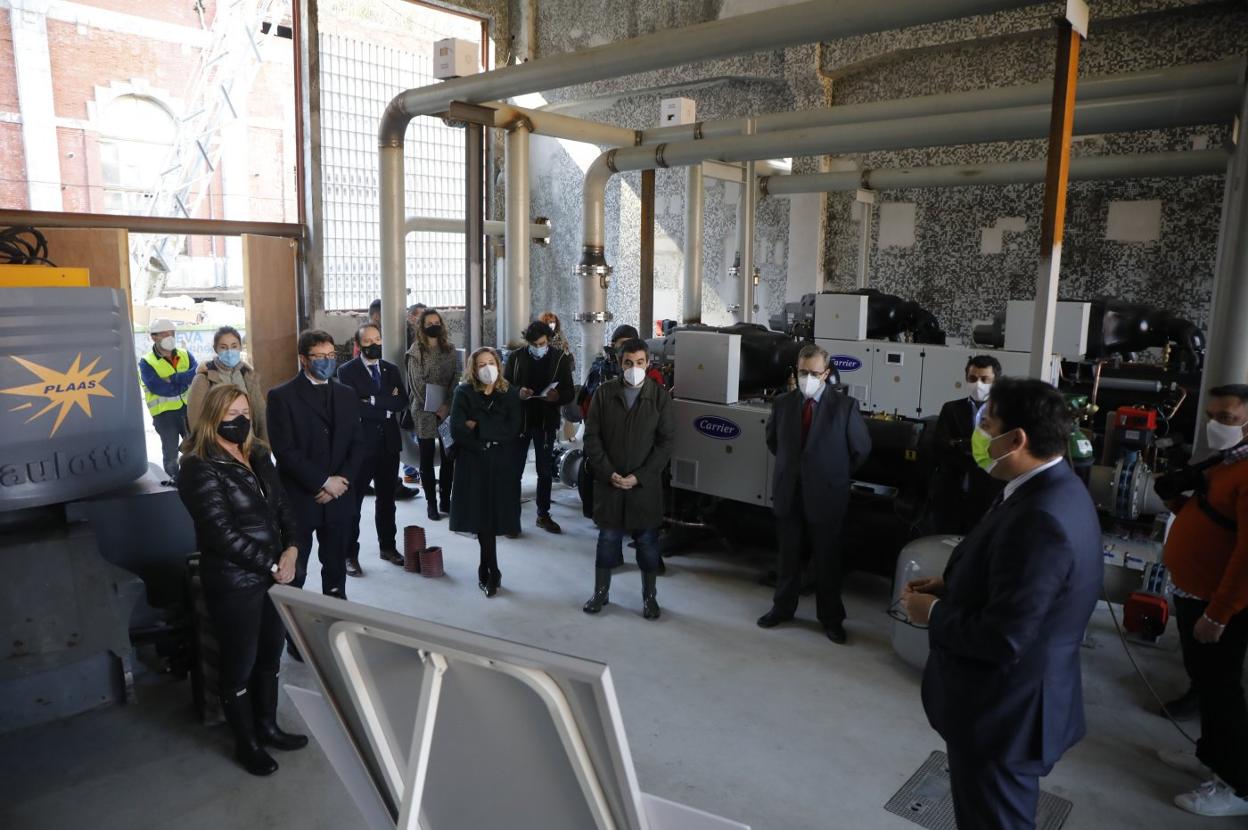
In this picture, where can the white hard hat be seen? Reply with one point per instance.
(161, 325)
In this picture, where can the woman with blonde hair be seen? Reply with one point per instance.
(432, 365)
(245, 530)
(227, 368)
(485, 423)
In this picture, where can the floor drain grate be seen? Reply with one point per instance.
(926, 800)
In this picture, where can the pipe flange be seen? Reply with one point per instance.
(593, 317)
(734, 271)
(762, 186)
(659, 161)
(600, 271)
(697, 131)
(543, 241)
(611, 160)
(521, 123)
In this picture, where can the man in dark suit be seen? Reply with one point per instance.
(314, 431)
(1002, 684)
(379, 388)
(818, 438)
(961, 492)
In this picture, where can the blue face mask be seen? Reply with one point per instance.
(230, 358)
(538, 351)
(323, 367)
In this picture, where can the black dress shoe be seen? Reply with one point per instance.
(1183, 707)
(836, 633)
(773, 618)
(489, 585)
(434, 515)
(391, 555)
(548, 524)
(353, 567)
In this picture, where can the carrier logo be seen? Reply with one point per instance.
(66, 390)
(846, 363)
(712, 426)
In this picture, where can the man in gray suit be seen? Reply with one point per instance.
(819, 439)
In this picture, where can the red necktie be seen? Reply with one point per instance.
(808, 413)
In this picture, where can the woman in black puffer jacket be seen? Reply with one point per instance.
(245, 530)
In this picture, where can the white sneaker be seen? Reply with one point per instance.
(1213, 798)
(1185, 762)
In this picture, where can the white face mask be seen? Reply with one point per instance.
(487, 374)
(979, 392)
(809, 385)
(1223, 436)
(634, 376)
(168, 344)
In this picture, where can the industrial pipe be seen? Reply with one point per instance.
(691, 290)
(1226, 358)
(815, 20)
(1135, 112)
(512, 307)
(474, 237)
(1141, 166)
(745, 229)
(539, 231)
(1166, 79)
(567, 127)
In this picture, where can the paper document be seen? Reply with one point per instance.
(553, 384)
(444, 432)
(434, 397)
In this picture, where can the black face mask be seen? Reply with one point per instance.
(235, 430)
(433, 332)
(372, 352)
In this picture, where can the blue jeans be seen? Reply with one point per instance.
(611, 548)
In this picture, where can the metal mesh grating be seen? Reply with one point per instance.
(358, 79)
(927, 801)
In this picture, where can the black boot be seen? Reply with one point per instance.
(649, 605)
(431, 503)
(264, 704)
(602, 588)
(247, 749)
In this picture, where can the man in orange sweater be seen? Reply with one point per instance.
(1207, 555)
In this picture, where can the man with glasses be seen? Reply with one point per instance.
(314, 430)
(819, 439)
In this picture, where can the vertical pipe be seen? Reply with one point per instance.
(695, 207)
(393, 254)
(1226, 359)
(646, 287)
(474, 205)
(749, 200)
(866, 206)
(1061, 127)
(514, 294)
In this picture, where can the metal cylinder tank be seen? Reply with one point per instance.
(71, 411)
(922, 557)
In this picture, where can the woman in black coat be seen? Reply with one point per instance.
(485, 423)
(245, 529)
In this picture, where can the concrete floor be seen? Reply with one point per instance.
(778, 729)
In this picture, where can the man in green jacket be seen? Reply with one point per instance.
(628, 441)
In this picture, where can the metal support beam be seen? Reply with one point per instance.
(474, 238)
(646, 306)
(149, 224)
(1061, 127)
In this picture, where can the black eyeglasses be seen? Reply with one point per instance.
(894, 611)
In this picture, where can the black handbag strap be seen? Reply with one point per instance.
(1224, 522)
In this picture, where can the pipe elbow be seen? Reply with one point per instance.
(394, 123)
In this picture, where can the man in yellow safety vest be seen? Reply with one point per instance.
(167, 372)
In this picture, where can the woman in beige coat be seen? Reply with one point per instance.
(432, 363)
(228, 367)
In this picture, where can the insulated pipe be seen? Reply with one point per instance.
(691, 290)
(1141, 166)
(538, 231)
(1226, 358)
(474, 238)
(745, 239)
(512, 307)
(1189, 76)
(1135, 112)
(562, 126)
(808, 22)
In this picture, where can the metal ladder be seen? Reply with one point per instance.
(227, 67)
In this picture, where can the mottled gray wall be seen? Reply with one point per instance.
(945, 268)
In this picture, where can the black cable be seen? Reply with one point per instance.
(1127, 648)
(17, 250)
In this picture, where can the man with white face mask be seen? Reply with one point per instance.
(167, 373)
(819, 439)
(1207, 555)
(628, 439)
(1003, 682)
(960, 491)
